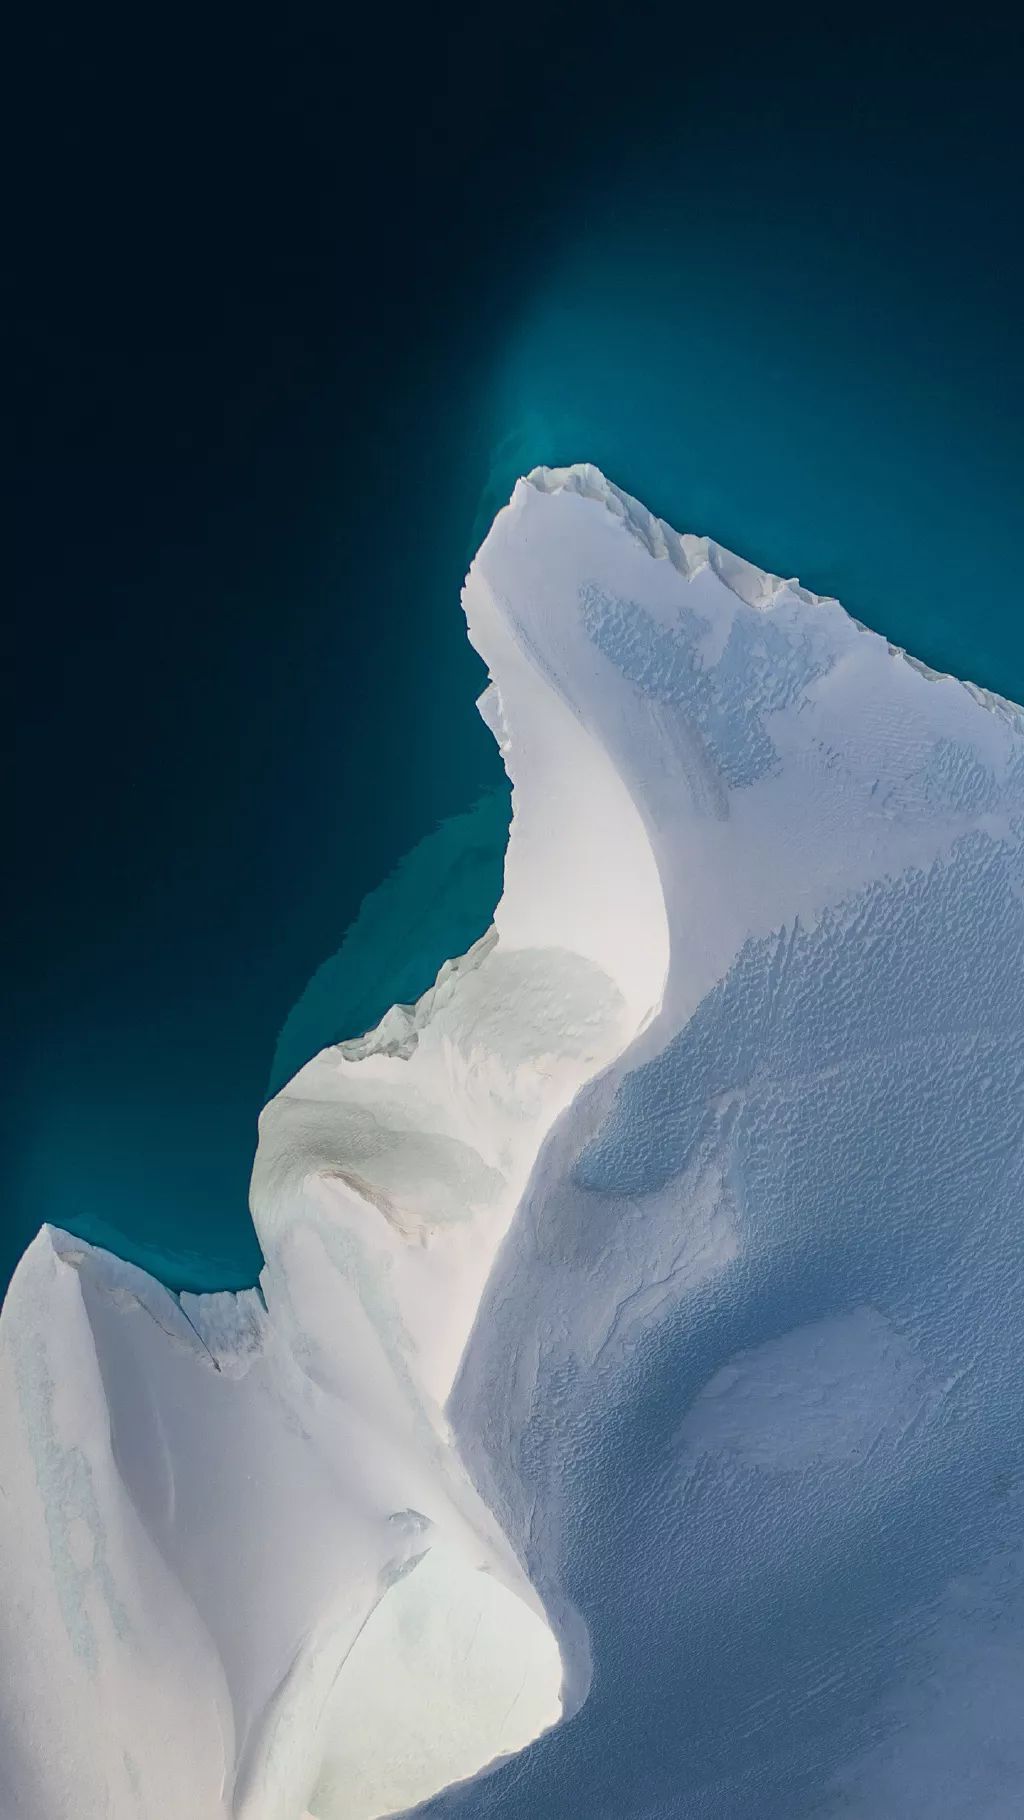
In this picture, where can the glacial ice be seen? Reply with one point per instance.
(639, 1339)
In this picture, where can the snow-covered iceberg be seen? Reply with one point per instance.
(640, 1327)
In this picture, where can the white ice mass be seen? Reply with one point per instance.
(640, 1337)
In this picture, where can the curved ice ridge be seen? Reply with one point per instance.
(754, 586)
(242, 1517)
(330, 1531)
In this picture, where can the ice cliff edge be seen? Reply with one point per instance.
(334, 1533)
(240, 1520)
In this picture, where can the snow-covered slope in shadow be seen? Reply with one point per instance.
(759, 1441)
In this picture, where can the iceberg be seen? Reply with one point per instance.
(639, 1336)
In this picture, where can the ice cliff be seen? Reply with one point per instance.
(640, 1332)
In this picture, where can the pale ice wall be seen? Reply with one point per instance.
(763, 1444)
(640, 1333)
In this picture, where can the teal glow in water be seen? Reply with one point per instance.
(802, 340)
(435, 904)
(822, 415)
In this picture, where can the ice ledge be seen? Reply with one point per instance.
(755, 586)
(685, 551)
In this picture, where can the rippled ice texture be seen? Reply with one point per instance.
(765, 1433)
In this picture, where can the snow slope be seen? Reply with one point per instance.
(655, 1273)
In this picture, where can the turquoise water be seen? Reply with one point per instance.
(280, 369)
(435, 904)
(795, 337)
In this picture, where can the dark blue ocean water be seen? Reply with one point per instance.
(787, 317)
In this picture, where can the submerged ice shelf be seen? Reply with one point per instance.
(645, 1300)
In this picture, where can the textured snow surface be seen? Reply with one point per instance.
(640, 1337)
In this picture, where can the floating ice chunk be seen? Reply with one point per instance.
(645, 1297)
